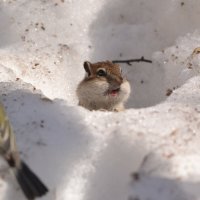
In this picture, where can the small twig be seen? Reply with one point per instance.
(142, 59)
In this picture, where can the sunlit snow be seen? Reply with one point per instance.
(148, 152)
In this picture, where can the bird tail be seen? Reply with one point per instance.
(31, 185)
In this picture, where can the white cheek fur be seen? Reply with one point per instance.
(92, 95)
(126, 89)
(98, 89)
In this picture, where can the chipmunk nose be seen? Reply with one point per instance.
(119, 80)
(116, 83)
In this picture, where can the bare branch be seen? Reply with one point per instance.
(142, 59)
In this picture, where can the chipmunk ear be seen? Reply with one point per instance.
(87, 67)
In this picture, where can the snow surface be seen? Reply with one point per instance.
(148, 152)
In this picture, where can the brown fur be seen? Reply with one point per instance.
(94, 91)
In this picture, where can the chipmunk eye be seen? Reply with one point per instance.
(101, 72)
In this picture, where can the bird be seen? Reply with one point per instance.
(29, 182)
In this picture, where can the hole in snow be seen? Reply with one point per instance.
(131, 29)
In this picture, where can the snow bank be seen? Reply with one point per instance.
(146, 153)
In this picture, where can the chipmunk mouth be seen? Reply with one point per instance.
(114, 92)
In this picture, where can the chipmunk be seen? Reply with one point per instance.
(103, 87)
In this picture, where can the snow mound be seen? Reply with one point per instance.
(151, 152)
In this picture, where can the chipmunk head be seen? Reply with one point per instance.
(103, 84)
(108, 75)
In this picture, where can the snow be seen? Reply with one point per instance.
(150, 151)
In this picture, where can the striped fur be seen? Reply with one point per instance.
(94, 91)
